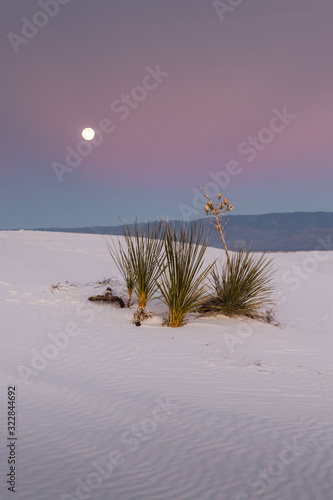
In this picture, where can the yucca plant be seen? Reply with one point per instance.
(138, 262)
(244, 287)
(120, 259)
(182, 272)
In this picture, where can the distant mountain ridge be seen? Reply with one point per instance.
(276, 232)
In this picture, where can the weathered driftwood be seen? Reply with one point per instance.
(108, 297)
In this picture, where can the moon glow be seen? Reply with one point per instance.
(88, 134)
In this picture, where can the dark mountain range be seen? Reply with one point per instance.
(269, 232)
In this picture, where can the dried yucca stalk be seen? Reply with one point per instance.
(216, 212)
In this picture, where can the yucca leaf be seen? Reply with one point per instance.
(137, 262)
(181, 282)
(244, 287)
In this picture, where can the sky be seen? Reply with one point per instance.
(232, 95)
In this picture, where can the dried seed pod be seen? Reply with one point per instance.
(206, 207)
(216, 211)
(219, 196)
(226, 201)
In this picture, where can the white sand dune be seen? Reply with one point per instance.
(221, 409)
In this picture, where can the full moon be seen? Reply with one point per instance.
(88, 134)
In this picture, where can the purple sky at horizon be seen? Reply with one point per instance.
(228, 83)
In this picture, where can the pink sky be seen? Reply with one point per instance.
(225, 80)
